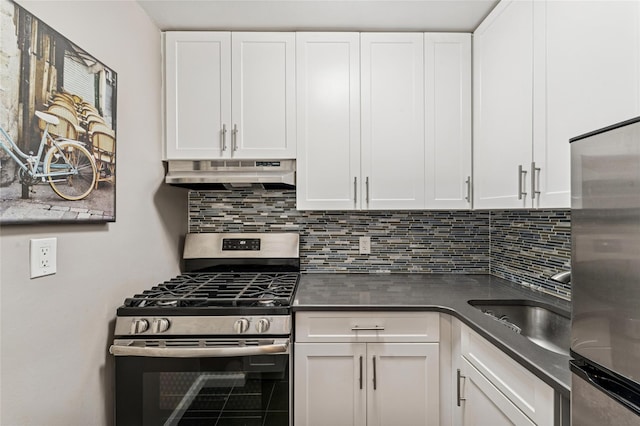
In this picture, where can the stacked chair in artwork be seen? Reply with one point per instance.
(80, 120)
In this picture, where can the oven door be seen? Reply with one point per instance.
(191, 382)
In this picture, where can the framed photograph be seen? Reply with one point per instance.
(57, 126)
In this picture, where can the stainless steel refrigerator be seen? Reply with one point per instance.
(605, 276)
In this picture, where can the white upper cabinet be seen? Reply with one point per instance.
(197, 93)
(392, 113)
(587, 75)
(544, 72)
(362, 111)
(503, 117)
(263, 95)
(230, 95)
(448, 120)
(328, 113)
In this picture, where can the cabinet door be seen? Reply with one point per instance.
(527, 392)
(198, 94)
(328, 113)
(588, 60)
(484, 404)
(448, 120)
(503, 79)
(392, 99)
(403, 384)
(329, 384)
(263, 95)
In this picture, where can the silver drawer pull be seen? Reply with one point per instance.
(374, 328)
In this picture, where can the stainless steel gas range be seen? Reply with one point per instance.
(212, 345)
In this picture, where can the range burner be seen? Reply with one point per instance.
(229, 289)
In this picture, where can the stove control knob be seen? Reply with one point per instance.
(139, 326)
(262, 325)
(160, 325)
(241, 325)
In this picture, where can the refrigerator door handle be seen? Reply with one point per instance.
(608, 384)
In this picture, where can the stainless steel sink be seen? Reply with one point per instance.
(544, 325)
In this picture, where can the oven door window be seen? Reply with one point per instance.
(250, 390)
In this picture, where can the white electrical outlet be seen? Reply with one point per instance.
(365, 245)
(43, 257)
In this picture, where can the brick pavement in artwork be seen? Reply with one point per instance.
(44, 205)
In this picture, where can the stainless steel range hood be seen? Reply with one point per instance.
(231, 174)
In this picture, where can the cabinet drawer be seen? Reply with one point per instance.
(527, 392)
(367, 327)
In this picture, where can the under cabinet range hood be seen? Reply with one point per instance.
(231, 174)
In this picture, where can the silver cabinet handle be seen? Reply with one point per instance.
(366, 182)
(234, 138)
(196, 352)
(375, 384)
(521, 175)
(224, 137)
(374, 328)
(468, 183)
(355, 191)
(459, 398)
(360, 371)
(534, 171)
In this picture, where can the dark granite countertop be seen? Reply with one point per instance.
(448, 293)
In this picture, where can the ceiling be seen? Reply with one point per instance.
(319, 15)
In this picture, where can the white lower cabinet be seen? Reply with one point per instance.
(493, 389)
(366, 384)
(402, 384)
(327, 383)
(371, 380)
(483, 403)
(408, 369)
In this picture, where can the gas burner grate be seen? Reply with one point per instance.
(220, 289)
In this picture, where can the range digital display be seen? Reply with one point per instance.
(241, 244)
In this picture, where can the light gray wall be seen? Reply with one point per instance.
(55, 330)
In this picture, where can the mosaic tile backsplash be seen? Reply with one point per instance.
(465, 242)
(529, 246)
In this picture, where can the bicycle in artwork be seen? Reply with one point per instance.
(65, 164)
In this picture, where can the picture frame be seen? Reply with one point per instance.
(58, 116)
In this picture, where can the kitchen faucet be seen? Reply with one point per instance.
(563, 277)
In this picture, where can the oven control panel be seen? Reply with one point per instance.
(241, 244)
(204, 325)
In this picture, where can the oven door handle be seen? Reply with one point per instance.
(196, 352)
